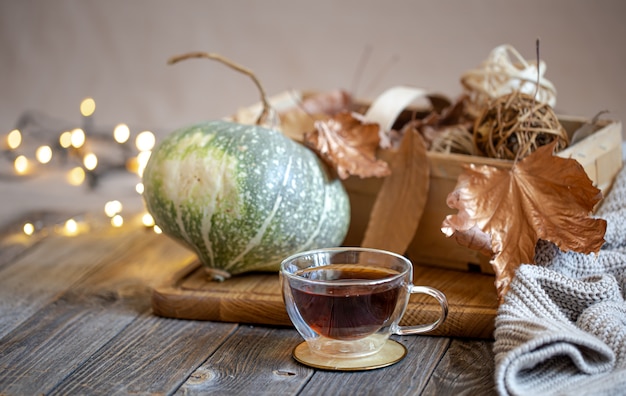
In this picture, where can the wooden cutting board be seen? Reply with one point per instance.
(256, 298)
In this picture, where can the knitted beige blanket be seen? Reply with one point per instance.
(561, 329)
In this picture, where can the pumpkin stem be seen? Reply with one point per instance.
(268, 115)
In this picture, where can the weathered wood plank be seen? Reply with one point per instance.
(407, 377)
(466, 369)
(48, 269)
(113, 257)
(68, 297)
(152, 355)
(13, 241)
(253, 361)
(55, 341)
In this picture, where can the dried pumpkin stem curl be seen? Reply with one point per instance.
(266, 115)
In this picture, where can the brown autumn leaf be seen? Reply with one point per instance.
(541, 197)
(296, 121)
(402, 198)
(348, 144)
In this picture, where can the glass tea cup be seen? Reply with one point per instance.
(347, 302)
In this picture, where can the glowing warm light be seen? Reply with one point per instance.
(76, 176)
(29, 229)
(44, 154)
(90, 161)
(112, 208)
(117, 221)
(142, 161)
(77, 138)
(147, 220)
(14, 139)
(139, 188)
(157, 229)
(132, 165)
(145, 141)
(21, 164)
(121, 133)
(71, 227)
(65, 140)
(87, 107)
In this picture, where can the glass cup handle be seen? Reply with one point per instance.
(443, 302)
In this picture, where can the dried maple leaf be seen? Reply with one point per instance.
(296, 121)
(401, 200)
(348, 144)
(541, 197)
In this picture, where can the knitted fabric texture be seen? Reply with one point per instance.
(561, 328)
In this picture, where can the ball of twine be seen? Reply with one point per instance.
(504, 71)
(515, 125)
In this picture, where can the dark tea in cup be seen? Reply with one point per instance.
(347, 311)
(346, 302)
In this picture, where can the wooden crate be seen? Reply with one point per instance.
(600, 155)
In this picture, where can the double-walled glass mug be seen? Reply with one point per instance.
(347, 302)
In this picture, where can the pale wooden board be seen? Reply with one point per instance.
(256, 298)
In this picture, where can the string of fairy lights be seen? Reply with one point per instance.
(84, 162)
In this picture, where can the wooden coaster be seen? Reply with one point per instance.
(392, 352)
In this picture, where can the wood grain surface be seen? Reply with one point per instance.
(76, 318)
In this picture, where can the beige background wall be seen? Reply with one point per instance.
(55, 53)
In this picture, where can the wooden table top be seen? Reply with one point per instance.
(76, 318)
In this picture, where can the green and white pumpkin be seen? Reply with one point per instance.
(243, 197)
